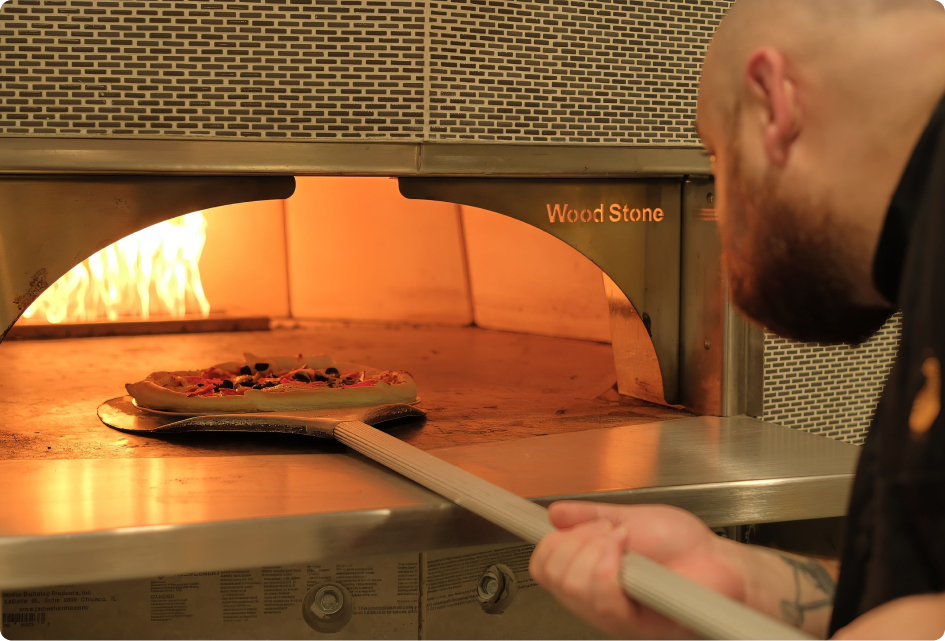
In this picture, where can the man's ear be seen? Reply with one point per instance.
(768, 84)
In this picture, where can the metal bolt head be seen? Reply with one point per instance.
(708, 344)
(327, 607)
(496, 589)
(488, 586)
(327, 601)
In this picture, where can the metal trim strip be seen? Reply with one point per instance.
(72, 155)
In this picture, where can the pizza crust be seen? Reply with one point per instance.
(151, 395)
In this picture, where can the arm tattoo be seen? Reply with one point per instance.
(815, 574)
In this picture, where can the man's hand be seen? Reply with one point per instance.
(579, 564)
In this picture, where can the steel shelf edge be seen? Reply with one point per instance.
(737, 470)
(133, 553)
(76, 155)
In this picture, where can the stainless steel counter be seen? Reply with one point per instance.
(75, 521)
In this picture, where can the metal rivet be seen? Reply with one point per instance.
(708, 344)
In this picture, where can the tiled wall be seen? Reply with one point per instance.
(568, 71)
(554, 71)
(828, 389)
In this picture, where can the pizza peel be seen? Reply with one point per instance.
(122, 414)
(708, 613)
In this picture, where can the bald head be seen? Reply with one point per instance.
(801, 24)
(806, 31)
(810, 109)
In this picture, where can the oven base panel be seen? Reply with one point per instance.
(428, 595)
(425, 595)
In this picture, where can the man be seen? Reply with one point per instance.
(825, 120)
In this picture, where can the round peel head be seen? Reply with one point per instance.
(122, 414)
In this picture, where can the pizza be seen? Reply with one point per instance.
(270, 384)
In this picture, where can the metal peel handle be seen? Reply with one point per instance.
(700, 609)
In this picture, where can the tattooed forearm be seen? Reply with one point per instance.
(807, 572)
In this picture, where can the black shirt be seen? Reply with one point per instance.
(895, 543)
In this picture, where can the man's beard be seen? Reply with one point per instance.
(789, 273)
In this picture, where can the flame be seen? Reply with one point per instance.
(151, 272)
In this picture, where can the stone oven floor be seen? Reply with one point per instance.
(476, 385)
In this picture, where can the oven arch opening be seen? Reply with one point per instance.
(644, 248)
